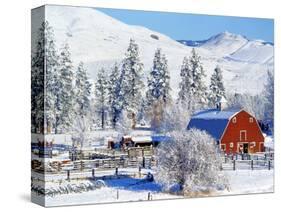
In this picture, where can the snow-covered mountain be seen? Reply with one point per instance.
(100, 40)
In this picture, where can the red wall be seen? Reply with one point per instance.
(253, 134)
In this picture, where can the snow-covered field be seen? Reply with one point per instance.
(241, 182)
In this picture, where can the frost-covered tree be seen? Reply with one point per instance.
(114, 102)
(82, 91)
(81, 128)
(255, 105)
(185, 85)
(159, 80)
(198, 88)
(131, 83)
(124, 124)
(175, 117)
(216, 88)
(65, 102)
(191, 161)
(269, 96)
(158, 92)
(37, 79)
(51, 77)
(101, 95)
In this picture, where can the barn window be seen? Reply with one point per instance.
(231, 145)
(251, 120)
(234, 120)
(252, 144)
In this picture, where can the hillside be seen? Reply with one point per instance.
(100, 40)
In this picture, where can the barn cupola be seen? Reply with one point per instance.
(221, 104)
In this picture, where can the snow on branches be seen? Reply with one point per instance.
(191, 161)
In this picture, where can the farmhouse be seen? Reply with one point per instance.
(236, 131)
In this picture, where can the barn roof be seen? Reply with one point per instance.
(213, 121)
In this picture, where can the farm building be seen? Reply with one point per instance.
(236, 131)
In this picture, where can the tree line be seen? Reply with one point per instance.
(62, 95)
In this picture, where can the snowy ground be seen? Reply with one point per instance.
(242, 182)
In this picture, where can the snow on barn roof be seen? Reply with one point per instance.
(213, 121)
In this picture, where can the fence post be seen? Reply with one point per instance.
(93, 173)
(117, 194)
(268, 164)
(139, 171)
(252, 164)
(81, 165)
(148, 196)
(234, 165)
(116, 171)
(68, 175)
(143, 162)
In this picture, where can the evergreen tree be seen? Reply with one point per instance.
(131, 83)
(269, 95)
(198, 88)
(51, 74)
(185, 89)
(37, 81)
(159, 80)
(101, 95)
(217, 89)
(158, 93)
(66, 91)
(82, 91)
(113, 94)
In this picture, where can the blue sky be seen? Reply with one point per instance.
(195, 27)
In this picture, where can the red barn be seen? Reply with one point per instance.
(236, 131)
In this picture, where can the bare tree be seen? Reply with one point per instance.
(80, 130)
(191, 161)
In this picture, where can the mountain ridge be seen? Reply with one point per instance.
(100, 40)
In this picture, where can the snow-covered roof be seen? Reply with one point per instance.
(64, 139)
(213, 121)
(142, 139)
(215, 114)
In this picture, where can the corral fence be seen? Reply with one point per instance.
(259, 161)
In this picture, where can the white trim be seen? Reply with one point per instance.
(260, 146)
(229, 120)
(238, 145)
(245, 131)
(224, 147)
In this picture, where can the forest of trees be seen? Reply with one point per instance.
(63, 97)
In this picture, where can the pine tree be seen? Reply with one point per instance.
(269, 95)
(185, 89)
(158, 93)
(51, 111)
(82, 91)
(66, 91)
(113, 94)
(217, 89)
(37, 81)
(198, 88)
(159, 80)
(101, 95)
(131, 81)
